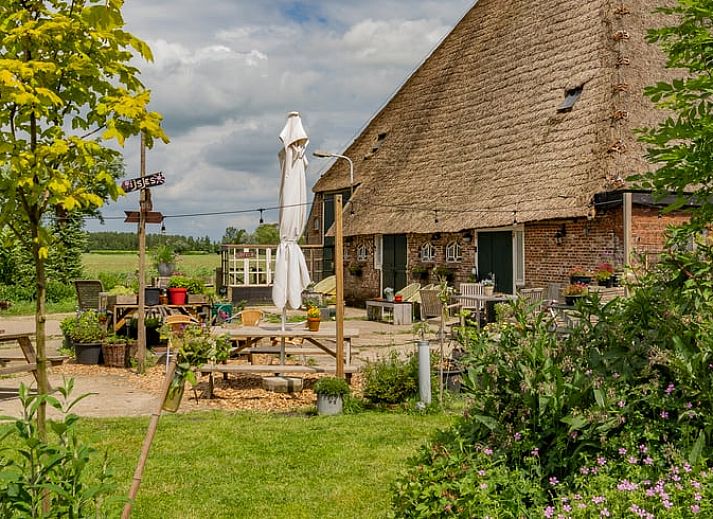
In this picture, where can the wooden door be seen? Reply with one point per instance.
(495, 256)
(394, 261)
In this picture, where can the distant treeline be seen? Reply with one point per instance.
(129, 241)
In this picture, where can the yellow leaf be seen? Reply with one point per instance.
(43, 252)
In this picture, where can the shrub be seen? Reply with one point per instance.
(392, 380)
(83, 328)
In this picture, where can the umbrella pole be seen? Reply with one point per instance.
(284, 317)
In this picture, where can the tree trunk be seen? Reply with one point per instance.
(40, 339)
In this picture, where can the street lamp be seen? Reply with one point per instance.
(321, 154)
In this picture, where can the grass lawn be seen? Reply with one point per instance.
(218, 464)
(122, 263)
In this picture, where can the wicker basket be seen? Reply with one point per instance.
(114, 355)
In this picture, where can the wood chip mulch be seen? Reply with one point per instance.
(238, 392)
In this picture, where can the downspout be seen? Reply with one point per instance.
(628, 240)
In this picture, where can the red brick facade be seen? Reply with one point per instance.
(586, 244)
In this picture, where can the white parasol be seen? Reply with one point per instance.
(291, 274)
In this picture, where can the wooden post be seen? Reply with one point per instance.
(628, 245)
(339, 274)
(143, 202)
(148, 440)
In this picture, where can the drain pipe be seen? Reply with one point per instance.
(424, 371)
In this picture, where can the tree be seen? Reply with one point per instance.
(266, 234)
(233, 235)
(682, 145)
(66, 88)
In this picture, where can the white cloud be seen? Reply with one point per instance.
(226, 72)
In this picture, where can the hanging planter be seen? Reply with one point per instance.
(174, 394)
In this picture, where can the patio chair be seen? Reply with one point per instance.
(533, 296)
(321, 290)
(470, 289)
(88, 294)
(248, 317)
(431, 305)
(408, 292)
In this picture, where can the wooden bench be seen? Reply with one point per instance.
(275, 369)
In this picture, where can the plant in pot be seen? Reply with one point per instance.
(85, 333)
(114, 350)
(196, 290)
(419, 272)
(178, 289)
(580, 275)
(152, 324)
(330, 395)
(314, 316)
(488, 286)
(604, 274)
(195, 346)
(573, 292)
(356, 269)
(164, 259)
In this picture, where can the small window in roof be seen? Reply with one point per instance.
(570, 97)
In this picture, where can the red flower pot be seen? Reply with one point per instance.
(177, 296)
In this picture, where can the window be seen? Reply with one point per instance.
(453, 252)
(519, 238)
(570, 97)
(362, 253)
(428, 252)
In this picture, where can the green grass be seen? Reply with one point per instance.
(218, 464)
(127, 263)
(28, 308)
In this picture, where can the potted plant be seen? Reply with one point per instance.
(488, 287)
(355, 269)
(442, 272)
(164, 259)
(152, 324)
(196, 291)
(85, 333)
(580, 275)
(330, 395)
(178, 289)
(196, 346)
(573, 292)
(114, 350)
(313, 318)
(419, 272)
(604, 274)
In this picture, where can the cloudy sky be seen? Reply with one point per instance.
(227, 72)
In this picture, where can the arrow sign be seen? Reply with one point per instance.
(135, 184)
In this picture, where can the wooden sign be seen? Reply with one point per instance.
(151, 217)
(244, 254)
(135, 184)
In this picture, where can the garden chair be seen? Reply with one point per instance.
(408, 292)
(470, 289)
(431, 305)
(88, 294)
(248, 317)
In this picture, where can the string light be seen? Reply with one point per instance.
(261, 219)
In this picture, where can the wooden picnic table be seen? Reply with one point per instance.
(247, 338)
(10, 364)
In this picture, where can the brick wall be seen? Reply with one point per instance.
(647, 231)
(586, 244)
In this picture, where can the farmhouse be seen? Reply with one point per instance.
(505, 152)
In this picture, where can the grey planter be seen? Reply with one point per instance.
(329, 405)
(87, 352)
(165, 269)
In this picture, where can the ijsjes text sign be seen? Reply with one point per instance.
(134, 184)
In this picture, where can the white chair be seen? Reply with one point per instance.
(470, 289)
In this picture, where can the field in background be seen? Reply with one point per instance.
(128, 263)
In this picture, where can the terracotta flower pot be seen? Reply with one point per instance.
(313, 324)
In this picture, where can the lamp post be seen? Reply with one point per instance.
(338, 262)
(321, 154)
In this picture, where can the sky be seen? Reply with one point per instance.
(227, 72)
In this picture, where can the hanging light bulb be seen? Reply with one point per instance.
(163, 228)
(435, 216)
(261, 220)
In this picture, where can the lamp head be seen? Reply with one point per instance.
(322, 154)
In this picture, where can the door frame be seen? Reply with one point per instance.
(512, 229)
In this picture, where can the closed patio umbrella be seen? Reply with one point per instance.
(291, 274)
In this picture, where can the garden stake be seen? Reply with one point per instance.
(148, 440)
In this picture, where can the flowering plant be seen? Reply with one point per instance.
(575, 289)
(604, 272)
(313, 312)
(579, 272)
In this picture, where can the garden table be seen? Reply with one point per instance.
(400, 311)
(480, 301)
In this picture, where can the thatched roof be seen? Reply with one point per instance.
(475, 132)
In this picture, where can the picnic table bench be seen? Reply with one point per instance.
(28, 362)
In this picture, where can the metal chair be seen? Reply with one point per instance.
(88, 294)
